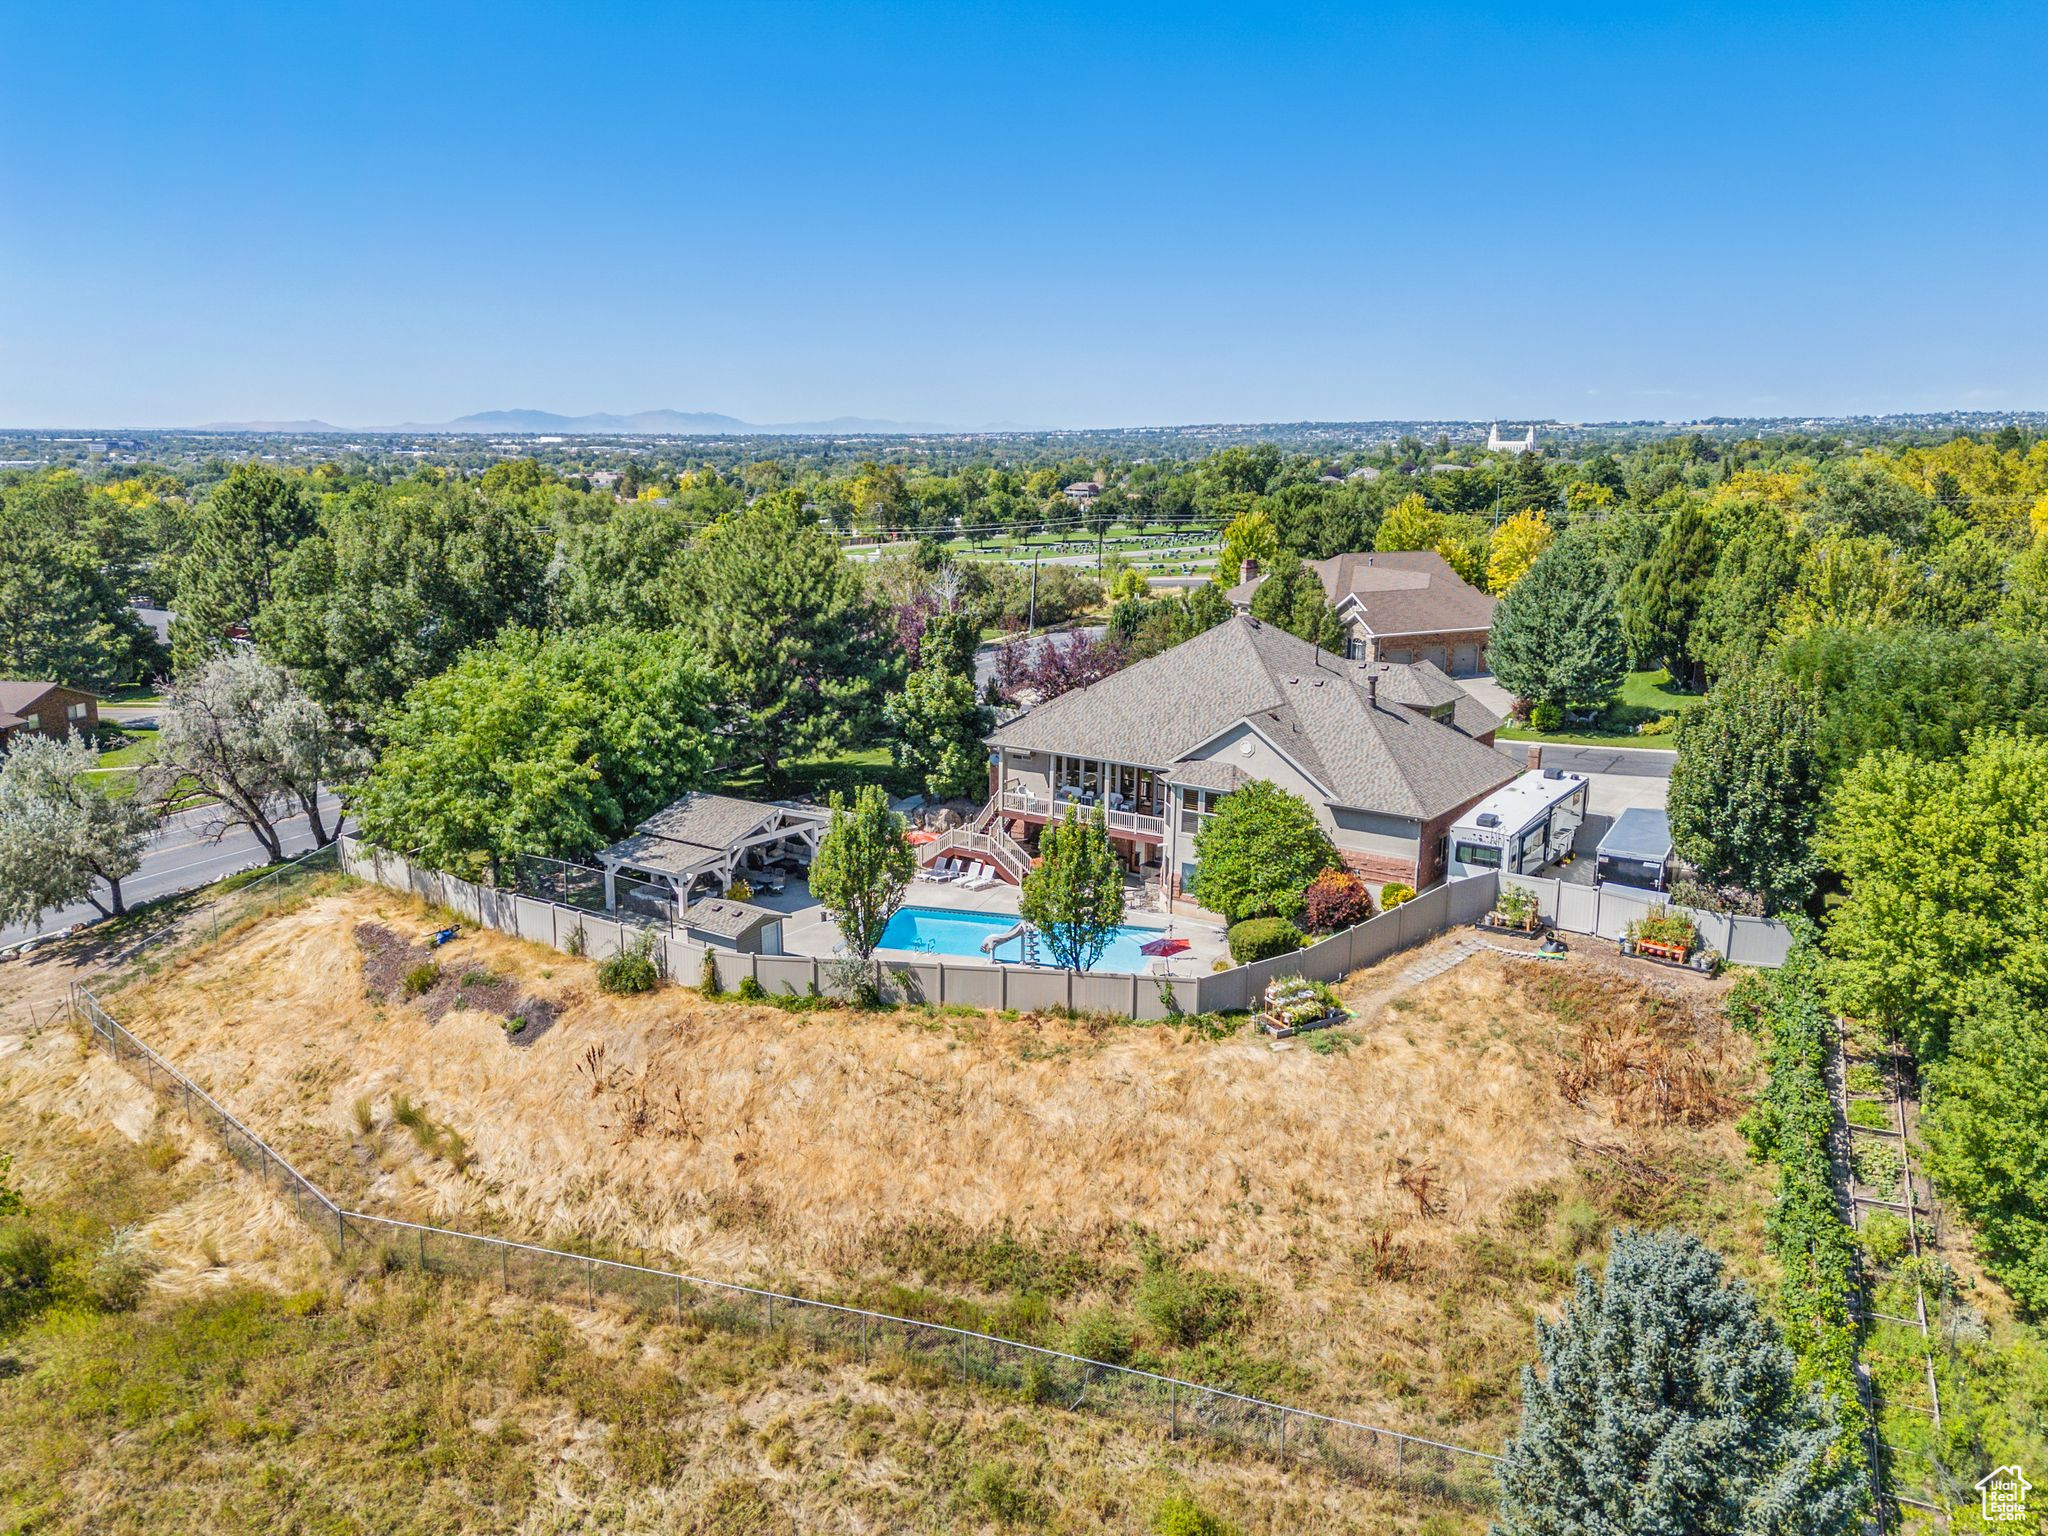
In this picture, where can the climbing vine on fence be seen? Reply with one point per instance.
(1792, 1127)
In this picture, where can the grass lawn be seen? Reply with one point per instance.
(134, 693)
(137, 749)
(818, 776)
(1644, 696)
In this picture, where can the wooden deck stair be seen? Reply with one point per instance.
(984, 839)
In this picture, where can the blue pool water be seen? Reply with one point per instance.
(936, 931)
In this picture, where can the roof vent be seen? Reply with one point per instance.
(1553, 773)
(1488, 819)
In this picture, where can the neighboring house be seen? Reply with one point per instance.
(1401, 607)
(1387, 756)
(1083, 492)
(48, 709)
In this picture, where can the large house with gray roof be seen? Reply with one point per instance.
(1388, 755)
(1399, 606)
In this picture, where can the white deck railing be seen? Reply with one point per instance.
(1031, 803)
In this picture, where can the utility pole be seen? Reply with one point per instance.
(1031, 617)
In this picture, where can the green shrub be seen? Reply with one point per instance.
(1545, 717)
(1186, 1306)
(1884, 1237)
(419, 981)
(1394, 893)
(1261, 938)
(631, 969)
(28, 1271)
(576, 941)
(1869, 1114)
(1662, 725)
(1100, 1334)
(707, 977)
(1177, 1516)
(995, 1487)
(750, 991)
(120, 1272)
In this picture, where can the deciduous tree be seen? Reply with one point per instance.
(1291, 596)
(531, 745)
(862, 868)
(1745, 796)
(1074, 894)
(940, 725)
(61, 830)
(1515, 547)
(1258, 853)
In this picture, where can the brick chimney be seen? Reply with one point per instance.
(1535, 756)
(1247, 568)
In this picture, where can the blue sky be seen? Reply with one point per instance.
(1083, 215)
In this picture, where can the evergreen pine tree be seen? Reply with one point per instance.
(1668, 1406)
(1660, 602)
(1556, 638)
(241, 534)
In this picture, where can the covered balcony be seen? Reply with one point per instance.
(1133, 799)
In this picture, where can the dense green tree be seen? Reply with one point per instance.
(1258, 853)
(1661, 600)
(863, 867)
(1945, 862)
(1074, 894)
(61, 620)
(1986, 1128)
(1753, 576)
(1745, 796)
(1291, 597)
(622, 569)
(399, 582)
(1252, 537)
(241, 535)
(1668, 1406)
(798, 653)
(62, 830)
(554, 746)
(1556, 637)
(939, 728)
(1923, 691)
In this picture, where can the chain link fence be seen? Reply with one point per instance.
(1432, 1468)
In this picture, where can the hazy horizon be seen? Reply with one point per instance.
(1067, 219)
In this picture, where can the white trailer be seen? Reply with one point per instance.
(1521, 826)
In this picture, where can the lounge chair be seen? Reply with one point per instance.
(936, 873)
(981, 880)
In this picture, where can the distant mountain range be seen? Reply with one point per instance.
(610, 424)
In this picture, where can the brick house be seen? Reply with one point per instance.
(48, 709)
(1387, 755)
(1401, 606)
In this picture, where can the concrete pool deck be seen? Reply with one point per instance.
(806, 930)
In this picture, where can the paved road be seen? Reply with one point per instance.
(181, 856)
(985, 658)
(1631, 762)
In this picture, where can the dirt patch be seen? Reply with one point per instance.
(393, 966)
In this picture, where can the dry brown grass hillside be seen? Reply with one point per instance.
(1367, 1226)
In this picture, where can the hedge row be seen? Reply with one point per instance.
(1792, 1126)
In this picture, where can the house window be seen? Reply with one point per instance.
(75, 711)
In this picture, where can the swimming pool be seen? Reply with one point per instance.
(940, 931)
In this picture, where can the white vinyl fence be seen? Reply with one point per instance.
(936, 981)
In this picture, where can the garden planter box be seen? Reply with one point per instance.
(1658, 949)
(1280, 1029)
(1532, 925)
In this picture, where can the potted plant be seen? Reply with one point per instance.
(1293, 1004)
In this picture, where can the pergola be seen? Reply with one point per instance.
(704, 835)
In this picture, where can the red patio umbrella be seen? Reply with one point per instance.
(1163, 947)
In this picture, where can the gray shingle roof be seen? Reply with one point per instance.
(1370, 754)
(1402, 592)
(18, 696)
(727, 919)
